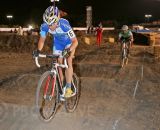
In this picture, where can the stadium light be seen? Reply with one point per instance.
(54, 0)
(148, 16)
(9, 16)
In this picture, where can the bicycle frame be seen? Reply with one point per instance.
(55, 71)
(125, 47)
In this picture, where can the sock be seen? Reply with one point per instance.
(68, 85)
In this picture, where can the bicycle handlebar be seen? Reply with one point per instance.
(37, 63)
(65, 65)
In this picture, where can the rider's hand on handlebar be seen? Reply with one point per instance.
(35, 53)
(66, 52)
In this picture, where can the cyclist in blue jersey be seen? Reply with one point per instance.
(64, 41)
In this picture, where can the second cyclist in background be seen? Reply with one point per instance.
(126, 36)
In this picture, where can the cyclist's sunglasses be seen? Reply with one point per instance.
(54, 21)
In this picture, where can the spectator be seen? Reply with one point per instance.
(11, 31)
(90, 29)
(100, 25)
(20, 31)
(99, 31)
(15, 30)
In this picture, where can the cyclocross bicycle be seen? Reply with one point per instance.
(50, 90)
(125, 52)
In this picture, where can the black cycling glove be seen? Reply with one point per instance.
(36, 53)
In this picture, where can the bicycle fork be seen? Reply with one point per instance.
(53, 81)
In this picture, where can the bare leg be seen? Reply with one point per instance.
(69, 70)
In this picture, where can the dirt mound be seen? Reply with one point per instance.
(16, 43)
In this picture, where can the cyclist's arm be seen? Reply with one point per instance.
(119, 37)
(73, 38)
(74, 44)
(41, 43)
(43, 33)
(131, 36)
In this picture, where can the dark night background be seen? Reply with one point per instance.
(122, 11)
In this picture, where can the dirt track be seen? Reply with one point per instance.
(111, 98)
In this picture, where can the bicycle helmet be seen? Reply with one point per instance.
(124, 27)
(50, 15)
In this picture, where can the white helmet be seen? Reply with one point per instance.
(50, 15)
(124, 27)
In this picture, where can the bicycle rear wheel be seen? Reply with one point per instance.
(72, 102)
(47, 96)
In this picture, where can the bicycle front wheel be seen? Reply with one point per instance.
(123, 57)
(47, 96)
(72, 102)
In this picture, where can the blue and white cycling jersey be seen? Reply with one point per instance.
(62, 34)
